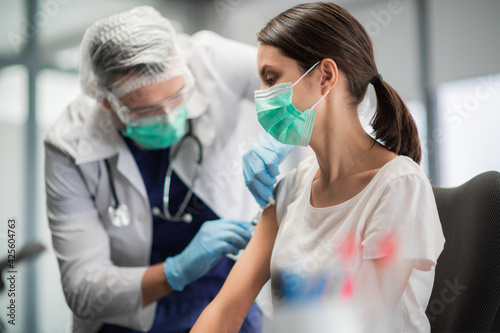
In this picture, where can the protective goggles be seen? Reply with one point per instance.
(131, 115)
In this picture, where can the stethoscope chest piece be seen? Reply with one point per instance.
(119, 215)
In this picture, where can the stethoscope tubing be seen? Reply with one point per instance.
(180, 215)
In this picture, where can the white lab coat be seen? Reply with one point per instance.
(101, 265)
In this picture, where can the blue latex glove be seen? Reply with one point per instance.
(261, 166)
(213, 241)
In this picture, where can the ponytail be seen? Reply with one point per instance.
(393, 123)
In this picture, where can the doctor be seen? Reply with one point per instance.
(145, 194)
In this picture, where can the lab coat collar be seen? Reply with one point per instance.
(199, 101)
(99, 137)
(127, 166)
(100, 140)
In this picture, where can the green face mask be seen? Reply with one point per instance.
(280, 118)
(157, 133)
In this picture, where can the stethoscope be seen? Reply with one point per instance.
(119, 213)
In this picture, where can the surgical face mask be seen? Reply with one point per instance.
(158, 132)
(280, 118)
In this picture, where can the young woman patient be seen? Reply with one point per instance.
(316, 63)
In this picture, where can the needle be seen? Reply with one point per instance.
(256, 218)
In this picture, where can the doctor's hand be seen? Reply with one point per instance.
(214, 240)
(261, 166)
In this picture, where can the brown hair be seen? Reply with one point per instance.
(311, 32)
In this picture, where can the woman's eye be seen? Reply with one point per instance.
(270, 81)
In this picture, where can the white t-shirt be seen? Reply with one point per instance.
(397, 201)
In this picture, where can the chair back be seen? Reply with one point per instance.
(466, 291)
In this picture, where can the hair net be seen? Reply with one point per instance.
(129, 50)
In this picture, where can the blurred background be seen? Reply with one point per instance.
(443, 56)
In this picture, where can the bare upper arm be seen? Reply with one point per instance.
(252, 270)
(228, 310)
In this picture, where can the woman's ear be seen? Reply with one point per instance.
(329, 75)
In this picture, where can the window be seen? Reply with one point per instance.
(468, 128)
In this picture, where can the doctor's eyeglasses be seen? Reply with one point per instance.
(163, 109)
(160, 109)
